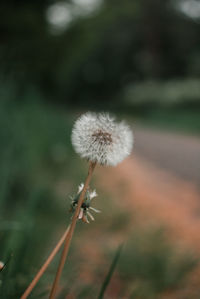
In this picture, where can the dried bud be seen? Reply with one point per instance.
(86, 205)
(1, 265)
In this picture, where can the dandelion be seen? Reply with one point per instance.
(99, 138)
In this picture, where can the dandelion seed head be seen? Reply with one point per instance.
(99, 138)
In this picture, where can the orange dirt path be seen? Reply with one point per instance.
(156, 197)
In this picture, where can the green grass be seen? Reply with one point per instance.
(165, 104)
(35, 153)
(150, 265)
(110, 272)
(178, 120)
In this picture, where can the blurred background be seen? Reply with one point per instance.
(141, 61)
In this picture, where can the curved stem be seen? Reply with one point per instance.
(71, 231)
(45, 265)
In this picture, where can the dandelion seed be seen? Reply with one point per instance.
(80, 187)
(90, 215)
(80, 214)
(93, 194)
(98, 138)
(95, 210)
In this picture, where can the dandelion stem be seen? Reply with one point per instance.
(45, 265)
(71, 231)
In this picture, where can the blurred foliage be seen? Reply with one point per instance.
(150, 265)
(35, 148)
(98, 54)
(171, 105)
(176, 93)
(179, 119)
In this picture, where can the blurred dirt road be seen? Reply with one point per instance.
(178, 154)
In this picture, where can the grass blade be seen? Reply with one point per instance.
(110, 272)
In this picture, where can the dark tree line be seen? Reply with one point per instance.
(97, 55)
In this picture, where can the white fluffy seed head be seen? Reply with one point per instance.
(98, 138)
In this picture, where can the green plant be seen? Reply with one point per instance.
(150, 265)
